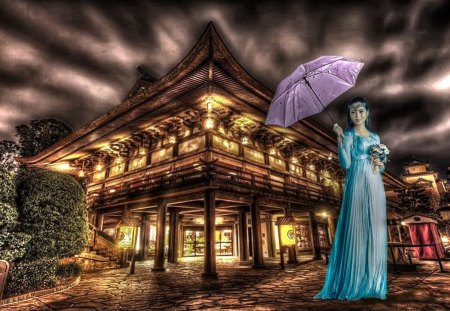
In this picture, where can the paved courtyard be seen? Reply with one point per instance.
(238, 287)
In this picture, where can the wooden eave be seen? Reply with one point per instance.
(189, 74)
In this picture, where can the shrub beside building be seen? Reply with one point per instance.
(52, 224)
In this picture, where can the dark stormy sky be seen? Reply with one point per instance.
(76, 60)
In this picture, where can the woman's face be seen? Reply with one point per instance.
(358, 115)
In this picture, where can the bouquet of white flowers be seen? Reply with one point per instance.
(378, 151)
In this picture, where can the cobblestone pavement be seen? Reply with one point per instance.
(238, 287)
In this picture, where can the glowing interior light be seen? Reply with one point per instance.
(272, 151)
(245, 140)
(172, 139)
(112, 190)
(444, 239)
(142, 151)
(403, 223)
(324, 214)
(98, 167)
(294, 160)
(209, 123)
(63, 166)
(81, 173)
(209, 103)
(330, 156)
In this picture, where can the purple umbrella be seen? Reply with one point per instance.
(310, 88)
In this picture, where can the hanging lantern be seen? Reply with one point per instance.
(99, 167)
(209, 123)
(172, 139)
(127, 232)
(286, 227)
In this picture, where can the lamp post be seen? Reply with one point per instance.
(286, 235)
(127, 238)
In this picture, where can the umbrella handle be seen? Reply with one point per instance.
(330, 116)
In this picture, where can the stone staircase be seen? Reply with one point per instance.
(100, 253)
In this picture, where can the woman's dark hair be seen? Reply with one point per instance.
(366, 105)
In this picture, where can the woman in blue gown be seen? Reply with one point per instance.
(358, 261)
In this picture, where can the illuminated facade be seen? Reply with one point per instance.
(189, 156)
(418, 173)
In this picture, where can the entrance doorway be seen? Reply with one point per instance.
(194, 241)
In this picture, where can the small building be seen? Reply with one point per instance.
(418, 173)
(423, 230)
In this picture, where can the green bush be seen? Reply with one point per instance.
(53, 206)
(12, 241)
(69, 270)
(29, 276)
(7, 189)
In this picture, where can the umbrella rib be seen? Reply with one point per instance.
(339, 78)
(337, 60)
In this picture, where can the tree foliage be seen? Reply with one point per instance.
(26, 276)
(9, 150)
(53, 206)
(38, 135)
(12, 241)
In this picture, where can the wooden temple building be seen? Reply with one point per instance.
(188, 155)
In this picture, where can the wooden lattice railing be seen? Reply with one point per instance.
(220, 173)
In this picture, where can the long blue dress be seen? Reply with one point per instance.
(358, 261)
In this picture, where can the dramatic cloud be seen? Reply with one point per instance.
(75, 60)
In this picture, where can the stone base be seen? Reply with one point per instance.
(210, 274)
(158, 269)
(259, 266)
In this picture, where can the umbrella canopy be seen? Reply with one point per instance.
(310, 88)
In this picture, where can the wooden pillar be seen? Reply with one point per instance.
(173, 236)
(180, 235)
(145, 236)
(256, 230)
(271, 246)
(160, 237)
(331, 228)
(141, 241)
(399, 233)
(314, 235)
(210, 230)
(99, 220)
(292, 250)
(243, 244)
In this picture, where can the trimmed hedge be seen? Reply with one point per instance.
(7, 189)
(12, 242)
(29, 276)
(53, 206)
(69, 270)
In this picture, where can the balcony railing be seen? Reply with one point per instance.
(220, 174)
